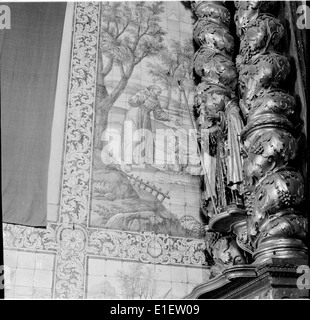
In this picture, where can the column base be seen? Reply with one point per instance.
(280, 248)
(275, 279)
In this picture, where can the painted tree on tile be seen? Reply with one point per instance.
(129, 33)
(138, 282)
(175, 63)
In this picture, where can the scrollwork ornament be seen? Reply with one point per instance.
(70, 273)
(146, 247)
(77, 159)
(22, 237)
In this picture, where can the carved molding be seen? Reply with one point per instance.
(275, 280)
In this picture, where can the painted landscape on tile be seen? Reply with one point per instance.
(145, 50)
(112, 279)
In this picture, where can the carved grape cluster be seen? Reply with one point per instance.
(286, 197)
(257, 148)
(249, 203)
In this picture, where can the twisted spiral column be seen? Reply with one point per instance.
(220, 124)
(274, 189)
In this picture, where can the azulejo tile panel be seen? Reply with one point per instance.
(135, 181)
(75, 238)
(117, 279)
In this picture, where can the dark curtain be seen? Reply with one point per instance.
(29, 65)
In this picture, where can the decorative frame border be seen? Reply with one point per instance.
(75, 193)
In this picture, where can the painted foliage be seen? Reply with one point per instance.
(138, 184)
